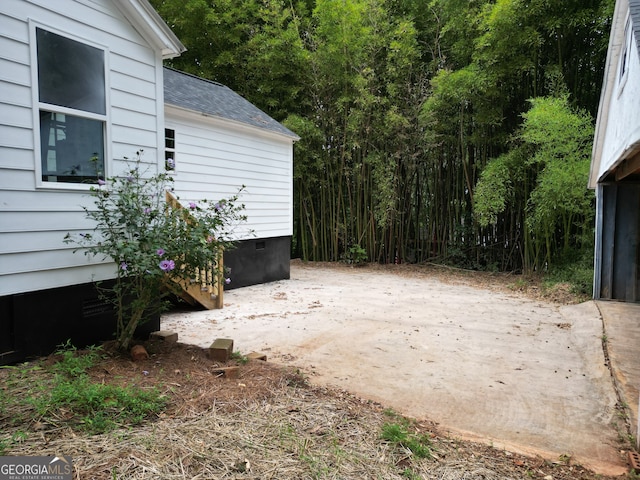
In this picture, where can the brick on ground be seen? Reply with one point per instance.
(221, 349)
(164, 335)
(257, 356)
(228, 372)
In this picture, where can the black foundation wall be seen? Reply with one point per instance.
(35, 323)
(258, 261)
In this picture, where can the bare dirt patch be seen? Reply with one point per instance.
(269, 422)
(471, 351)
(530, 286)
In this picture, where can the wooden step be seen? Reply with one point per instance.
(197, 294)
(201, 289)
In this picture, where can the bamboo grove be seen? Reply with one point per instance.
(455, 131)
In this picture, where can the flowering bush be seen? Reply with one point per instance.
(154, 246)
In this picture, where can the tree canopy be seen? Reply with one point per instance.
(440, 130)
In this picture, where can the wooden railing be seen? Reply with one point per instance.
(205, 285)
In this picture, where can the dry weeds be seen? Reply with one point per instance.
(268, 423)
(531, 286)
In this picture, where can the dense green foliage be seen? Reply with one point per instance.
(544, 171)
(155, 246)
(409, 109)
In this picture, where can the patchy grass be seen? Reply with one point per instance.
(171, 416)
(59, 392)
(403, 433)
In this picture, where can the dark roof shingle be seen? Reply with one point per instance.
(214, 99)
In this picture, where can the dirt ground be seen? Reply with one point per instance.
(327, 416)
(488, 357)
(278, 419)
(269, 422)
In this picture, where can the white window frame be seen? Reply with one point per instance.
(38, 106)
(170, 150)
(625, 55)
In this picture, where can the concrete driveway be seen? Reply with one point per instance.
(486, 365)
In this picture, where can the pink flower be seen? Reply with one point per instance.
(167, 265)
(227, 280)
(101, 182)
(160, 251)
(123, 266)
(192, 205)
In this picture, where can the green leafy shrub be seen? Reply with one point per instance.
(153, 245)
(240, 358)
(355, 255)
(575, 267)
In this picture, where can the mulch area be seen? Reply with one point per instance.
(266, 423)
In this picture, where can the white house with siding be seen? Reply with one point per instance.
(615, 165)
(218, 142)
(82, 88)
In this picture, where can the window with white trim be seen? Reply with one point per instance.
(626, 51)
(169, 149)
(72, 107)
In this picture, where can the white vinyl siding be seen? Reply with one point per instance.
(34, 219)
(216, 157)
(623, 133)
(56, 275)
(626, 47)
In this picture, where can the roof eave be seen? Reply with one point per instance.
(611, 69)
(178, 108)
(152, 26)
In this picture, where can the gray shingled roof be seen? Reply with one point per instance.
(634, 11)
(214, 99)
